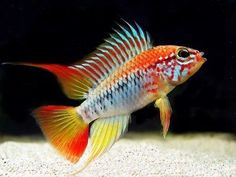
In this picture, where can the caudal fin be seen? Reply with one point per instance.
(64, 129)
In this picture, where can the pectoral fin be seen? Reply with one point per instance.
(165, 112)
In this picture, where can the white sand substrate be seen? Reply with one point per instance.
(139, 155)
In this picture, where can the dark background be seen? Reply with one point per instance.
(50, 31)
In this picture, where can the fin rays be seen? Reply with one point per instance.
(103, 134)
(122, 46)
(64, 129)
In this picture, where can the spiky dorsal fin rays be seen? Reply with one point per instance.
(79, 79)
(121, 47)
(103, 134)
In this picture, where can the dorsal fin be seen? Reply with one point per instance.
(79, 79)
(122, 46)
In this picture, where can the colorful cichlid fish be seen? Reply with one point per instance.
(123, 75)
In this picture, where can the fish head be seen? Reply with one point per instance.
(181, 64)
(189, 61)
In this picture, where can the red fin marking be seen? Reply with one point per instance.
(74, 84)
(64, 129)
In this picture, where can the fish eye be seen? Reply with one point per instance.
(183, 53)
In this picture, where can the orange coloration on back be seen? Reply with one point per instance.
(148, 59)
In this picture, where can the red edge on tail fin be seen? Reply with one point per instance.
(64, 129)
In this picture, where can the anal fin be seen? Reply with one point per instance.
(104, 133)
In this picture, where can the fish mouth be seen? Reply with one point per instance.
(204, 59)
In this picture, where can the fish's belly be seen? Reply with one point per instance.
(117, 101)
(126, 104)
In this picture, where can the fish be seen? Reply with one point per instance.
(124, 74)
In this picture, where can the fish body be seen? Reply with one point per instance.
(121, 76)
(138, 82)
